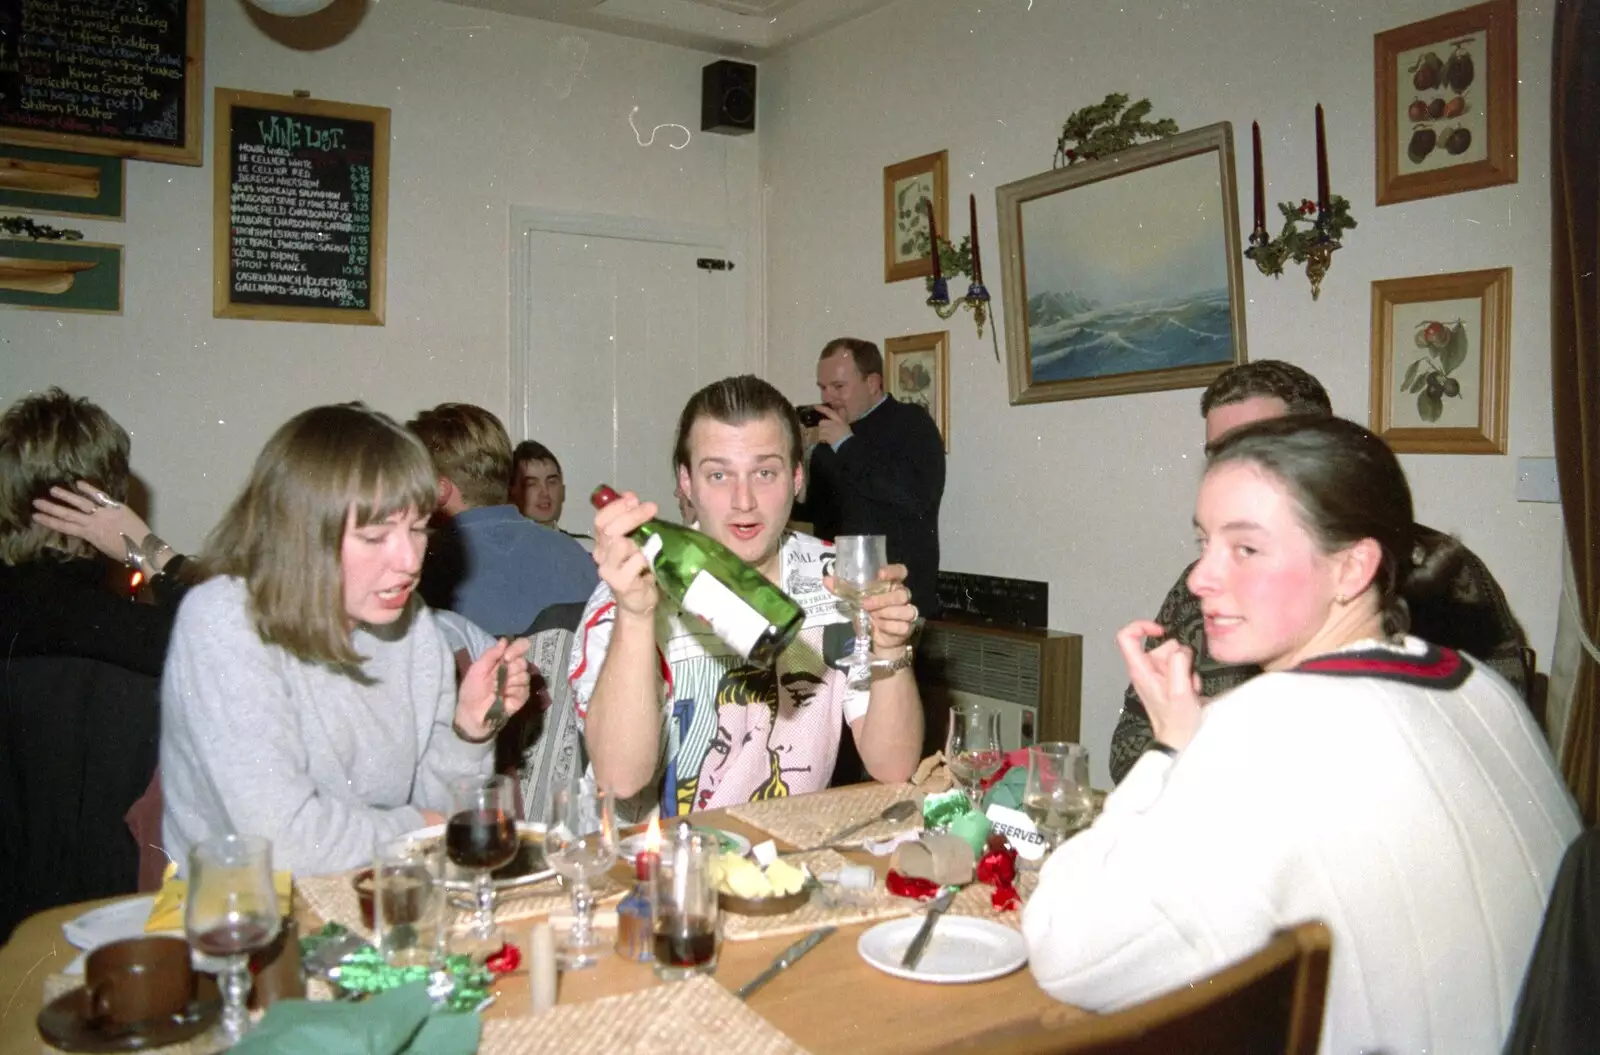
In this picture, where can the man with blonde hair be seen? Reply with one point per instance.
(487, 561)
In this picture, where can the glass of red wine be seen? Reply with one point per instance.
(687, 924)
(232, 910)
(482, 836)
(580, 840)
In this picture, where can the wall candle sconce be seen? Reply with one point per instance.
(1328, 216)
(977, 298)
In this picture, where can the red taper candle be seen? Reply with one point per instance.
(1322, 165)
(977, 264)
(1261, 182)
(933, 237)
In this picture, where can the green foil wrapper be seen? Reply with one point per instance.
(940, 810)
(972, 829)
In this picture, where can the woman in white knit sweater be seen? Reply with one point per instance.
(1392, 789)
(308, 695)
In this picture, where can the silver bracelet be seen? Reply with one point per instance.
(144, 556)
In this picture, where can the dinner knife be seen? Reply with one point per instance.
(786, 958)
(919, 944)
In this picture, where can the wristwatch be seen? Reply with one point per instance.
(895, 665)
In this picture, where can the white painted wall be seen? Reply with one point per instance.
(1095, 495)
(489, 111)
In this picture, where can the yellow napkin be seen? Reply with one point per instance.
(167, 912)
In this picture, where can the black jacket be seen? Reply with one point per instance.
(887, 479)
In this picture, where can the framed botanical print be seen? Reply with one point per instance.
(1446, 96)
(916, 369)
(1441, 362)
(908, 189)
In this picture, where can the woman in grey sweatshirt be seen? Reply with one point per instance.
(308, 696)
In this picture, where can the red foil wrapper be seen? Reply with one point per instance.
(908, 886)
(508, 959)
(998, 868)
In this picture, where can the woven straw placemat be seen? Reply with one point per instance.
(679, 1018)
(808, 820)
(880, 904)
(333, 899)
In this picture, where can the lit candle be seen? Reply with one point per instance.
(1322, 165)
(1261, 182)
(933, 237)
(977, 264)
(651, 853)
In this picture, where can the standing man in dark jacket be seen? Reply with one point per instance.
(877, 467)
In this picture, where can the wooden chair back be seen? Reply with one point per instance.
(1268, 1004)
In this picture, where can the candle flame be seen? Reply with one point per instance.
(652, 836)
(136, 580)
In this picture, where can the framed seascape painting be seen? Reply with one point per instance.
(1441, 362)
(916, 369)
(907, 244)
(1446, 97)
(1123, 274)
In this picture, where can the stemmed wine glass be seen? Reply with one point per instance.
(231, 911)
(482, 836)
(1057, 797)
(858, 559)
(580, 841)
(972, 747)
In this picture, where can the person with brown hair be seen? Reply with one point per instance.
(489, 563)
(671, 712)
(1395, 789)
(1467, 610)
(309, 697)
(65, 528)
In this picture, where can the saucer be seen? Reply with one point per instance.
(64, 1023)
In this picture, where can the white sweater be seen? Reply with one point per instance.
(258, 742)
(1424, 826)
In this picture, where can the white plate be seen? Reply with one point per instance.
(456, 879)
(122, 919)
(731, 842)
(962, 949)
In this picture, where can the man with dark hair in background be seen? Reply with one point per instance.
(539, 489)
(486, 561)
(1475, 618)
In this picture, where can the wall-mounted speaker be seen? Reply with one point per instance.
(728, 98)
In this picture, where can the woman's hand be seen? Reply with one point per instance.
(92, 515)
(477, 691)
(894, 617)
(1165, 680)
(622, 565)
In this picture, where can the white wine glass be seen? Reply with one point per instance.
(1057, 797)
(972, 747)
(232, 910)
(580, 840)
(857, 561)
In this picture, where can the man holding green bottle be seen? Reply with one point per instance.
(673, 714)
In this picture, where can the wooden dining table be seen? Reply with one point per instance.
(830, 1001)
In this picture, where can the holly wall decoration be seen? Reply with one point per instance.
(1097, 131)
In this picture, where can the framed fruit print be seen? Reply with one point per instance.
(909, 188)
(1441, 362)
(1446, 96)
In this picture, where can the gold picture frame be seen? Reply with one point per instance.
(907, 250)
(916, 369)
(1105, 297)
(1446, 103)
(1441, 362)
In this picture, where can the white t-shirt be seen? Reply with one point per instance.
(735, 731)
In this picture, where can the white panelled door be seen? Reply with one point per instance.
(613, 334)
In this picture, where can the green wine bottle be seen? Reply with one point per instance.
(752, 615)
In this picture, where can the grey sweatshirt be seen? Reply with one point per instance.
(258, 742)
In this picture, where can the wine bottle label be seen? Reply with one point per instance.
(652, 546)
(738, 624)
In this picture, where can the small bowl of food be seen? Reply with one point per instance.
(747, 889)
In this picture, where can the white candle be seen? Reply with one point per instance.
(542, 966)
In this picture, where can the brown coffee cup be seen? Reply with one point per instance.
(139, 979)
(364, 885)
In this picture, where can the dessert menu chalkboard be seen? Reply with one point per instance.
(301, 192)
(104, 76)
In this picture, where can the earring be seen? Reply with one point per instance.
(1340, 599)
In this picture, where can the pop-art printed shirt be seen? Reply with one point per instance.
(736, 732)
